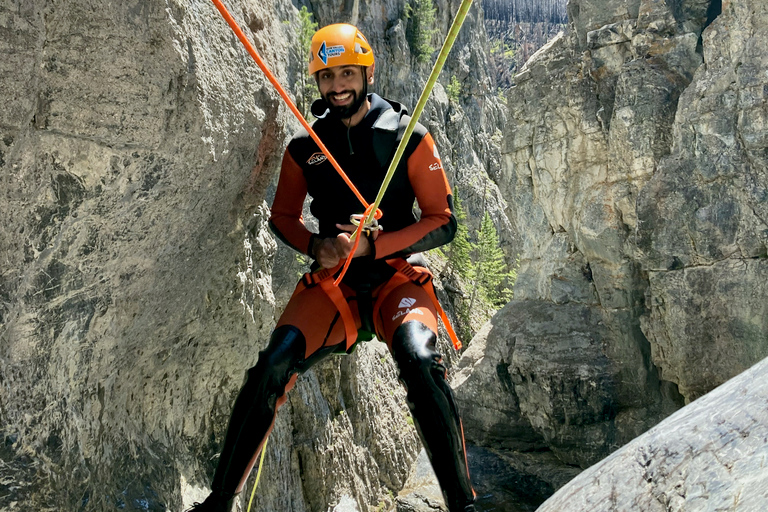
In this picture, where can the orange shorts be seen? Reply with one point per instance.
(317, 317)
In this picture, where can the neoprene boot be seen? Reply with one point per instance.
(434, 412)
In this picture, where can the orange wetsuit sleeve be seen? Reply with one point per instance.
(437, 225)
(286, 220)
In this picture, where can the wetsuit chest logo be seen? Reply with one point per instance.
(317, 158)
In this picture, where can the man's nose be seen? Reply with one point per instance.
(338, 84)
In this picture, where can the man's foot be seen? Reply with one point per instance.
(214, 503)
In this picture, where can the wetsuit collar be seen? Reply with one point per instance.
(374, 117)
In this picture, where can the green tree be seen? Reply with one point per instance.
(453, 89)
(422, 28)
(491, 275)
(307, 89)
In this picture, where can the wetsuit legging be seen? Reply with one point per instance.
(309, 330)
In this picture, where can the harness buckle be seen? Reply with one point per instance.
(311, 279)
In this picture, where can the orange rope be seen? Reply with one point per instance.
(243, 39)
(357, 237)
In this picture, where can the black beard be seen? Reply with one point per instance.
(351, 109)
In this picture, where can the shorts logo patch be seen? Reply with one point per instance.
(407, 302)
(317, 158)
(435, 166)
(407, 312)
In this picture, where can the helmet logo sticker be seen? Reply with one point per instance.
(329, 52)
(317, 158)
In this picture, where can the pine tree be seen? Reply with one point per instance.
(490, 271)
(422, 28)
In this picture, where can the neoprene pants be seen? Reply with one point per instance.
(290, 352)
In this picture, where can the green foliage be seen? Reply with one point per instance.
(490, 273)
(504, 49)
(307, 87)
(422, 29)
(453, 89)
(479, 267)
(501, 95)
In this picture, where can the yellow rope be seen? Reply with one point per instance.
(258, 473)
(453, 32)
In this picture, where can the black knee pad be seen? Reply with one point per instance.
(276, 365)
(413, 348)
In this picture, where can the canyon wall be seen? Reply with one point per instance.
(635, 157)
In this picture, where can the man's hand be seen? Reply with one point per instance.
(363, 248)
(329, 251)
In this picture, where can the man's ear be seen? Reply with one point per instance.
(369, 73)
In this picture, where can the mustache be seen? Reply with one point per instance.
(342, 93)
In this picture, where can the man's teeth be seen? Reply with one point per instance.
(341, 97)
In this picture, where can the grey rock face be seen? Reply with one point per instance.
(706, 255)
(634, 168)
(541, 377)
(135, 278)
(710, 455)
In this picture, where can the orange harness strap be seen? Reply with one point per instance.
(324, 278)
(423, 279)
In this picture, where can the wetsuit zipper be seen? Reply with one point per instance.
(349, 140)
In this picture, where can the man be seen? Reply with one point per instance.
(380, 293)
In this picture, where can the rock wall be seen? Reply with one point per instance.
(138, 143)
(634, 171)
(135, 282)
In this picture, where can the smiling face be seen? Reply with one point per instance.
(343, 88)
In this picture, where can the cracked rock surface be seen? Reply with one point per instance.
(635, 158)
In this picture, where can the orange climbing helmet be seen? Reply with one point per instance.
(340, 44)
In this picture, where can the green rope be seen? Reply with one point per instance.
(458, 21)
(258, 473)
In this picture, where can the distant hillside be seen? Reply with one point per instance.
(552, 11)
(517, 28)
